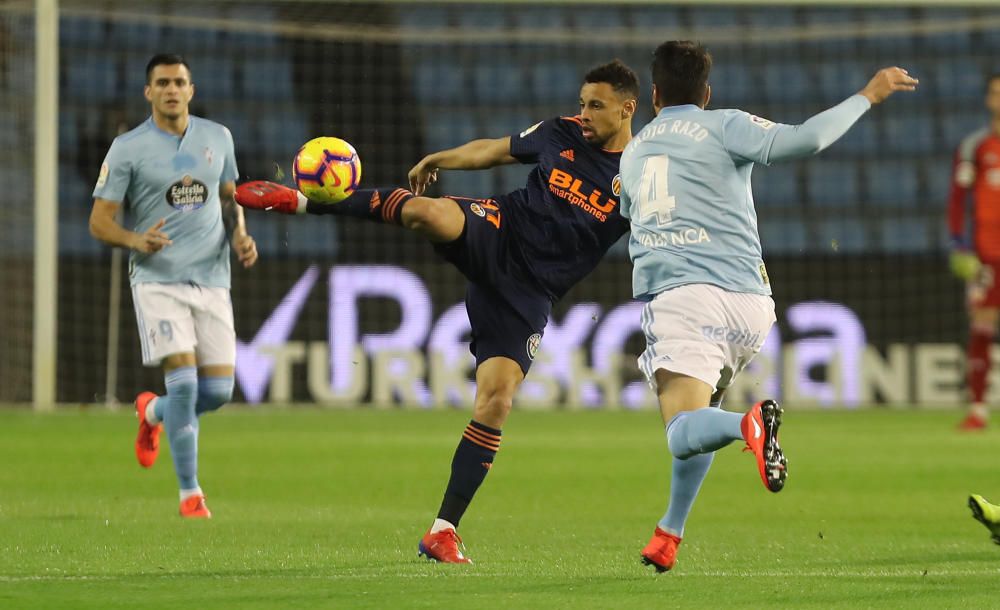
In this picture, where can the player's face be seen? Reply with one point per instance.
(170, 90)
(604, 112)
(993, 98)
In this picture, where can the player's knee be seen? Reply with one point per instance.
(214, 394)
(495, 403)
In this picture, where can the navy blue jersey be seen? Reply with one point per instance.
(566, 217)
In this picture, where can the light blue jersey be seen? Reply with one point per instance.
(177, 178)
(686, 191)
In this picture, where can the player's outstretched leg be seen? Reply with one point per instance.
(147, 442)
(987, 514)
(378, 205)
(760, 430)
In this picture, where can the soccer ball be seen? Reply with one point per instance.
(326, 170)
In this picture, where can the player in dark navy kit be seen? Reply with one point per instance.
(520, 251)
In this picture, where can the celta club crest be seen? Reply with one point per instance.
(534, 341)
(208, 155)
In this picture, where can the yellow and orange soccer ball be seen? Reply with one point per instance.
(326, 170)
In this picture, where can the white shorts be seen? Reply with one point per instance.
(705, 332)
(184, 318)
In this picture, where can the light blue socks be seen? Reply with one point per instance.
(685, 482)
(213, 392)
(702, 431)
(181, 423)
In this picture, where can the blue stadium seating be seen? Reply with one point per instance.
(556, 82)
(92, 76)
(499, 123)
(137, 36)
(892, 183)
(267, 79)
(282, 132)
(12, 135)
(595, 18)
(989, 38)
(954, 79)
(906, 235)
(438, 81)
(781, 235)
(937, 174)
(817, 21)
(842, 235)
(959, 123)
(311, 238)
(832, 183)
(766, 18)
(909, 133)
(423, 17)
(189, 39)
(483, 17)
(254, 13)
(535, 17)
(83, 33)
(449, 130)
(75, 203)
(733, 86)
(888, 48)
(955, 42)
(497, 79)
(838, 79)
(788, 82)
(776, 187)
(239, 125)
(213, 78)
(664, 19)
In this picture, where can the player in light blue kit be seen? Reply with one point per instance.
(178, 174)
(697, 263)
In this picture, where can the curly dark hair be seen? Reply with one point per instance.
(621, 78)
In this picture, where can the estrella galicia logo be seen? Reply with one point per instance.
(533, 342)
(187, 195)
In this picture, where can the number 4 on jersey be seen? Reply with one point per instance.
(654, 198)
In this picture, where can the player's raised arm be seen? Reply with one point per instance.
(825, 128)
(476, 154)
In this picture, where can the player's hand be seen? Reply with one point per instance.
(964, 264)
(152, 240)
(422, 175)
(264, 195)
(246, 249)
(886, 82)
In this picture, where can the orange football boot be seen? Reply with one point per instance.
(147, 442)
(972, 423)
(661, 552)
(760, 430)
(193, 507)
(442, 546)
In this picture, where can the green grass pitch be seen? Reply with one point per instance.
(318, 508)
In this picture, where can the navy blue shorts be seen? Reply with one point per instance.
(507, 313)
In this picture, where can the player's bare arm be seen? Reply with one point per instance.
(232, 217)
(105, 228)
(886, 82)
(476, 154)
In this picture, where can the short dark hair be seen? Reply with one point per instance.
(165, 59)
(680, 72)
(615, 73)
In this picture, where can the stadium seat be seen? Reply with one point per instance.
(733, 86)
(83, 33)
(436, 81)
(776, 187)
(187, 39)
(92, 76)
(937, 179)
(423, 17)
(841, 235)
(497, 79)
(137, 36)
(818, 25)
(955, 79)
(839, 79)
(589, 18)
(282, 133)
(537, 17)
(906, 235)
(909, 134)
(887, 49)
(782, 235)
(657, 18)
(556, 82)
(959, 123)
(267, 79)
(257, 41)
(482, 17)
(762, 19)
(788, 82)
(832, 183)
(713, 18)
(892, 183)
(213, 78)
(958, 41)
(447, 130)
